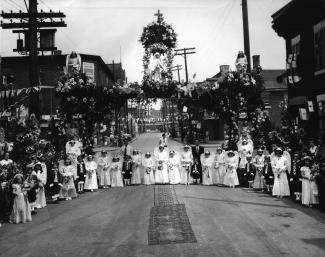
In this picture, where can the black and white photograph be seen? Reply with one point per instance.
(157, 128)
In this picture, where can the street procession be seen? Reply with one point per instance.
(165, 155)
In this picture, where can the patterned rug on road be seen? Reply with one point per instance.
(169, 223)
(165, 195)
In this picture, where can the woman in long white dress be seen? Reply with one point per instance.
(161, 174)
(279, 165)
(309, 186)
(103, 162)
(149, 165)
(231, 177)
(207, 161)
(173, 165)
(186, 165)
(91, 171)
(219, 167)
(42, 179)
(259, 163)
(136, 163)
(116, 172)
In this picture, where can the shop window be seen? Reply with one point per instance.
(319, 46)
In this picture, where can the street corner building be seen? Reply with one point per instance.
(302, 24)
(15, 75)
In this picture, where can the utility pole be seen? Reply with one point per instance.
(177, 68)
(246, 34)
(185, 52)
(30, 24)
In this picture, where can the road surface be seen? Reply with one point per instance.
(143, 221)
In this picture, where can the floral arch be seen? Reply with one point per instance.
(234, 96)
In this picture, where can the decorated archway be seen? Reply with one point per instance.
(235, 97)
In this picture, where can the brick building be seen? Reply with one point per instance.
(302, 25)
(275, 91)
(16, 68)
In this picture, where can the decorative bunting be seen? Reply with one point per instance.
(294, 61)
(310, 106)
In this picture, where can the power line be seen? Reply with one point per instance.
(12, 7)
(19, 6)
(45, 4)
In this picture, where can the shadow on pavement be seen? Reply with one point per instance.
(319, 242)
(236, 202)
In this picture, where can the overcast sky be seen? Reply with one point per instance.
(214, 27)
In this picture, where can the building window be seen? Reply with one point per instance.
(89, 69)
(295, 45)
(319, 45)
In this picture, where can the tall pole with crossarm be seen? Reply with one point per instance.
(30, 23)
(184, 52)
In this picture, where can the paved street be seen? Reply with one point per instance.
(117, 222)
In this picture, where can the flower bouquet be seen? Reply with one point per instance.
(160, 164)
(148, 170)
(206, 170)
(186, 165)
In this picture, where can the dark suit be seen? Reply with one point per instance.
(54, 177)
(196, 157)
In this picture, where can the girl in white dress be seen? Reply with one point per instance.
(279, 165)
(136, 163)
(207, 161)
(68, 189)
(173, 165)
(219, 167)
(161, 174)
(103, 162)
(116, 172)
(91, 172)
(42, 178)
(148, 164)
(309, 186)
(231, 177)
(186, 165)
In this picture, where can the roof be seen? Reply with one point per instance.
(282, 10)
(295, 16)
(58, 58)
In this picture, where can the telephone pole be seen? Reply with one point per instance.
(246, 34)
(177, 68)
(30, 24)
(185, 52)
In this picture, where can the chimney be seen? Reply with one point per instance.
(256, 61)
